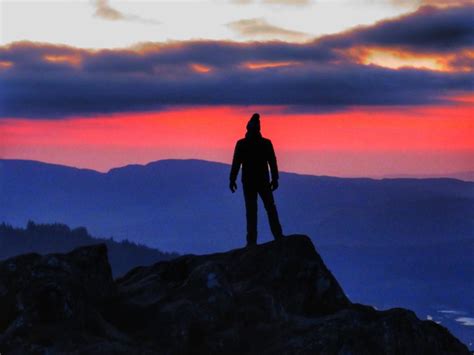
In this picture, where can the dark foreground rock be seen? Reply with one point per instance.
(277, 298)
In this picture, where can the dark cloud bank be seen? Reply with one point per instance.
(42, 80)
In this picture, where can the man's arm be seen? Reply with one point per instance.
(273, 166)
(234, 171)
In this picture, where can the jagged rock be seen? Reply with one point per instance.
(274, 298)
(54, 301)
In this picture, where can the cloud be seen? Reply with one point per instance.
(451, 311)
(113, 81)
(466, 321)
(53, 81)
(437, 3)
(242, 2)
(429, 29)
(105, 11)
(275, 2)
(288, 2)
(260, 28)
(445, 3)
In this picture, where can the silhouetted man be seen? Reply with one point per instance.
(255, 154)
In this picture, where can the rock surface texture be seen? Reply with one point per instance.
(276, 298)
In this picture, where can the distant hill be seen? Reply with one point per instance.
(171, 204)
(460, 175)
(48, 238)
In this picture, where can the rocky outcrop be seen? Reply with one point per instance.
(278, 297)
(54, 301)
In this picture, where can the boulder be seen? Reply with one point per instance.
(54, 301)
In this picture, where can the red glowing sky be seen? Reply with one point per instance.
(356, 142)
(400, 82)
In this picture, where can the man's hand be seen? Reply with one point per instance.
(232, 186)
(274, 185)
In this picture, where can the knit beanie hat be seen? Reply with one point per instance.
(254, 123)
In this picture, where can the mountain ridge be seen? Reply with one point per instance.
(278, 297)
(57, 238)
(156, 204)
(401, 176)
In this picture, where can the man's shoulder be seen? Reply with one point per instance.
(263, 140)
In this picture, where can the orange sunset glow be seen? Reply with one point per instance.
(355, 143)
(200, 68)
(263, 65)
(398, 59)
(5, 64)
(69, 59)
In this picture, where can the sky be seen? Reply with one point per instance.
(344, 87)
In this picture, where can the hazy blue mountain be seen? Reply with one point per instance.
(437, 281)
(460, 175)
(57, 237)
(390, 242)
(172, 204)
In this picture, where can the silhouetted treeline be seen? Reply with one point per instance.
(57, 237)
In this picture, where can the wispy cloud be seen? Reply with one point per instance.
(466, 321)
(451, 311)
(445, 3)
(288, 2)
(259, 28)
(104, 10)
(274, 2)
(242, 2)
(437, 3)
(107, 12)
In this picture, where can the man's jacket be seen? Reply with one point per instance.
(255, 154)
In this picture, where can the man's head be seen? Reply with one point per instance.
(254, 123)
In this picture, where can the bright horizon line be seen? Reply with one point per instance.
(401, 175)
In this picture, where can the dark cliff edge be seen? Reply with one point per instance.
(276, 298)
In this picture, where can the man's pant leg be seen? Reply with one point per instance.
(250, 195)
(267, 197)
